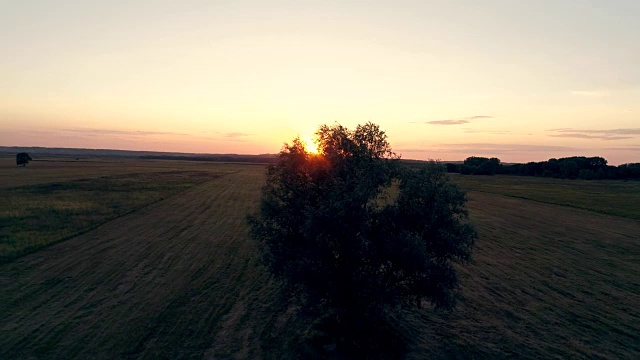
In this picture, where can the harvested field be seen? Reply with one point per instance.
(181, 279)
(158, 282)
(613, 197)
(547, 282)
(57, 170)
(35, 216)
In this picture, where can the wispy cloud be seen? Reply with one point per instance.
(585, 136)
(122, 133)
(627, 131)
(231, 136)
(489, 148)
(107, 132)
(447, 122)
(480, 117)
(459, 121)
(235, 135)
(624, 148)
(586, 93)
(600, 134)
(496, 132)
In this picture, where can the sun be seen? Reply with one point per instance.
(310, 146)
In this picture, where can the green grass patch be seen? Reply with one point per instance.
(611, 197)
(35, 216)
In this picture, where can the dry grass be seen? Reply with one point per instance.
(50, 170)
(614, 197)
(182, 279)
(171, 280)
(547, 282)
(65, 200)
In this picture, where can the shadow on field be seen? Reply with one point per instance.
(369, 340)
(409, 334)
(295, 334)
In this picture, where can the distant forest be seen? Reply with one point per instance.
(575, 167)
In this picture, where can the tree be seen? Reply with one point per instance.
(23, 159)
(452, 167)
(570, 169)
(331, 231)
(477, 165)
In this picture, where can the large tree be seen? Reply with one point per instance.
(353, 234)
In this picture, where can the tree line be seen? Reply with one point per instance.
(575, 167)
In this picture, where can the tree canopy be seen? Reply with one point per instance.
(23, 159)
(354, 235)
(480, 166)
(574, 167)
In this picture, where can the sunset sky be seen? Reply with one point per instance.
(519, 80)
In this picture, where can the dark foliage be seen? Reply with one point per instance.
(331, 229)
(23, 159)
(476, 165)
(575, 167)
(452, 167)
(626, 171)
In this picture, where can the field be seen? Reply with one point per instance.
(180, 278)
(53, 200)
(614, 197)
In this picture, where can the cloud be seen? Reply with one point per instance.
(627, 148)
(628, 131)
(496, 132)
(600, 134)
(103, 132)
(480, 117)
(447, 122)
(585, 136)
(235, 135)
(490, 148)
(585, 93)
(121, 133)
(459, 121)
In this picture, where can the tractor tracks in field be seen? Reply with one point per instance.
(545, 281)
(149, 283)
(181, 278)
(557, 203)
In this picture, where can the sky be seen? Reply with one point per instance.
(518, 80)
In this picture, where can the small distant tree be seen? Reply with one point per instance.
(330, 229)
(22, 159)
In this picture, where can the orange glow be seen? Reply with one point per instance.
(480, 95)
(310, 145)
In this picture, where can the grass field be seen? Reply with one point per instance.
(180, 278)
(612, 197)
(45, 171)
(65, 198)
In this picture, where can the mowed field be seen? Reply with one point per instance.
(613, 197)
(180, 278)
(55, 199)
(49, 170)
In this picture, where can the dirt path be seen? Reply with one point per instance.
(156, 282)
